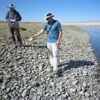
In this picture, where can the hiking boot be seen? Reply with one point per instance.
(57, 73)
(14, 46)
(20, 45)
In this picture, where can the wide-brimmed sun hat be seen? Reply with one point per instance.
(48, 14)
(11, 6)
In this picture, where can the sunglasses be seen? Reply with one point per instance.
(47, 18)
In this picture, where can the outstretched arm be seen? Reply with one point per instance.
(38, 33)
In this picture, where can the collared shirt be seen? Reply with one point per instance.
(53, 30)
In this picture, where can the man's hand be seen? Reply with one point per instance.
(57, 43)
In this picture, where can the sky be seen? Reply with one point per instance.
(63, 10)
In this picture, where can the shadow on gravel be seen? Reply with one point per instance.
(42, 46)
(76, 64)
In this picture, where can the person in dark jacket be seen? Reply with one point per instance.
(13, 17)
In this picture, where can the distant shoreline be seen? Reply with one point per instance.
(72, 23)
(81, 23)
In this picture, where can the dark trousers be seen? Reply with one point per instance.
(15, 34)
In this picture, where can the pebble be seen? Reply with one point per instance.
(24, 93)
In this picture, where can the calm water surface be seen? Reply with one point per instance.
(94, 32)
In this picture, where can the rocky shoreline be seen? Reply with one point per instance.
(24, 76)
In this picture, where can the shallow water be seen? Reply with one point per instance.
(94, 32)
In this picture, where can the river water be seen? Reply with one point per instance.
(94, 32)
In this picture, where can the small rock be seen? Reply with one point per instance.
(72, 90)
(81, 93)
(75, 82)
(24, 93)
(87, 94)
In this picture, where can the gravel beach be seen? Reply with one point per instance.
(24, 75)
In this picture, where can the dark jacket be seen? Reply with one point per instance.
(15, 16)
